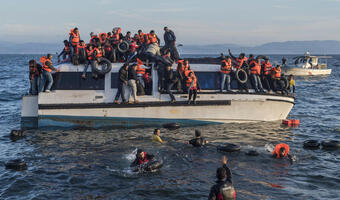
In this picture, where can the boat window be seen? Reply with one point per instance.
(208, 80)
(73, 81)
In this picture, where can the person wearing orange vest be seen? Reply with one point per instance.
(266, 74)
(255, 71)
(278, 86)
(102, 38)
(47, 68)
(90, 60)
(140, 71)
(81, 52)
(65, 52)
(94, 39)
(225, 73)
(116, 35)
(74, 40)
(152, 38)
(282, 151)
(239, 63)
(193, 86)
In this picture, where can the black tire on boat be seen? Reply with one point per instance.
(330, 144)
(229, 147)
(123, 47)
(311, 144)
(105, 64)
(171, 126)
(241, 76)
(16, 164)
(252, 153)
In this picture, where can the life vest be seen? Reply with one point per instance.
(256, 69)
(99, 52)
(277, 150)
(140, 161)
(43, 61)
(277, 73)
(115, 36)
(239, 62)
(140, 70)
(187, 72)
(100, 37)
(141, 38)
(79, 46)
(92, 38)
(267, 68)
(190, 80)
(227, 66)
(178, 63)
(76, 38)
(152, 39)
(89, 54)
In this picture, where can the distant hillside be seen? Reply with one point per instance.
(289, 47)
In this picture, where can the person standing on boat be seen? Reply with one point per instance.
(266, 73)
(47, 68)
(170, 43)
(225, 73)
(255, 68)
(122, 83)
(65, 52)
(198, 141)
(170, 81)
(132, 79)
(238, 63)
(74, 40)
(223, 189)
(192, 86)
(291, 87)
(34, 76)
(156, 137)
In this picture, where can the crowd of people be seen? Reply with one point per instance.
(223, 189)
(137, 51)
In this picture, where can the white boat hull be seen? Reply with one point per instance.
(307, 72)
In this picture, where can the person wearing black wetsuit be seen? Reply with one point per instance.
(141, 158)
(122, 84)
(223, 189)
(227, 169)
(198, 141)
(170, 80)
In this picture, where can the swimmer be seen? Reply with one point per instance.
(141, 158)
(223, 189)
(156, 136)
(198, 141)
(282, 151)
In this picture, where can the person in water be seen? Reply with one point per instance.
(156, 136)
(223, 189)
(227, 169)
(141, 158)
(198, 141)
(282, 151)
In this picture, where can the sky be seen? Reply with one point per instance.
(242, 22)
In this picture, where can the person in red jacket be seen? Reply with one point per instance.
(141, 158)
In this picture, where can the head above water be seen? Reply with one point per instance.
(282, 151)
(140, 153)
(197, 133)
(221, 174)
(291, 77)
(157, 131)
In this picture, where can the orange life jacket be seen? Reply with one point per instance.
(267, 68)
(178, 63)
(256, 69)
(100, 37)
(239, 62)
(190, 80)
(99, 52)
(140, 70)
(79, 46)
(152, 39)
(277, 150)
(115, 36)
(277, 73)
(227, 66)
(187, 72)
(43, 61)
(89, 54)
(76, 38)
(141, 38)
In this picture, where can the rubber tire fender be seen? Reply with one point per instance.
(153, 165)
(104, 62)
(123, 47)
(171, 126)
(252, 153)
(238, 75)
(16, 164)
(330, 144)
(229, 147)
(311, 144)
